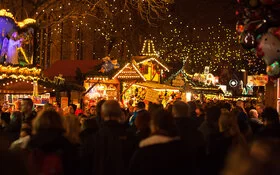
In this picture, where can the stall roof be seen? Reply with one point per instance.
(129, 72)
(68, 68)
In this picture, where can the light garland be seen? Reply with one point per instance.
(139, 72)
(21, 24)
(150, 51)
(120, 71)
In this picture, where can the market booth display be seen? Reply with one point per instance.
(18, 82)
(196, 86)
(144, 73)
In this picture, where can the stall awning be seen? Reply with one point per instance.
(21, 87)
(157, 86)
(207, 90)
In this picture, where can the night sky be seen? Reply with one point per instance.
(205, 12)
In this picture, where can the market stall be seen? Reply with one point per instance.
(18, 82)
(144, 71)
(196, 86)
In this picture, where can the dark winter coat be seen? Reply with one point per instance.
(53, 141)
(162, 155)
(112, 149)
(13, 129)
(87, 138)
(193, 138)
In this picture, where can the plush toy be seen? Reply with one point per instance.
(269, 50)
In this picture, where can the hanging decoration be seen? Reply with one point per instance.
(258, 28)
(109, 65)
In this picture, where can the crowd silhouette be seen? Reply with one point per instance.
(213, 138)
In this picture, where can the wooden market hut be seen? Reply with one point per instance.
(185, 82)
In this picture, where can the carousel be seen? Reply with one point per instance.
(19, 78)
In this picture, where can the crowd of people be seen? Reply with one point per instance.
(193, 138)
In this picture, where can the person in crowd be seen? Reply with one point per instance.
(27, 111)
(162, 152)
(130, 107)
(72, 129)
(4, 120)
(92, 112)
(271, 123)
(188, 132)
(200, 114)
(11, 162)
(5, 107)
(48, 106)
(49, 151)
(227, 106)
(87, 137)
(111, 144)
(39, 108)
(260, 107)
(58, 108)
(243, 120)
(142, 123)
(254, 120)
(82, 118)
(210, 125)
(72, 109)
(98, 112)
(13, 129)
(152, 107)
(140, 106)
(229, 137)
(24, 138)
(263, 158)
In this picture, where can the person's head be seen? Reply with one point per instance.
(92, 110)
(111, 110)
(15, 35)
(228, 123)
(17, 105)
(270, 116)
(26, 105)
(142, 121)
(240, 103)
(180, 109)
(227, 106)
(5, 118)
(213, 114)
(47, 121)
(162, 123)
(140, 105)
(253, 113)
(98, 107)
(90, 123)
(260, 108)
(72, 109)
(154, 107)
(48, 106)
(72, 128)
(192, 107)
(199, 110)
(82, 118)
